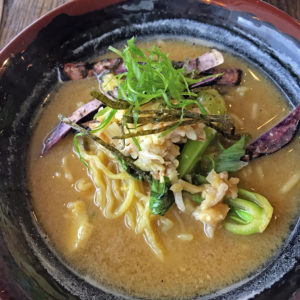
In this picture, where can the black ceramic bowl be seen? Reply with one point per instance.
(79, 30)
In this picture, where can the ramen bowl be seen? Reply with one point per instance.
(258, 33)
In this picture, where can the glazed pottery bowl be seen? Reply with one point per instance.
(260, 34)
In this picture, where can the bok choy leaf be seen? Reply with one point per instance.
(249, 213)
(161, 197)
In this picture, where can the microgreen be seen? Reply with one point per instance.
(101, 112)
(109, 115)
(77, 148)
(151, 75)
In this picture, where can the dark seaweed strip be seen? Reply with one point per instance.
(229, 135)
(126, 162)
(108, 100)
(154, 131)
(168, 115)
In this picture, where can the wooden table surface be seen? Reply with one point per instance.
(17, 14)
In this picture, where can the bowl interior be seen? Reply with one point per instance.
(26, 257)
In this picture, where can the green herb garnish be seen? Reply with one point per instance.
(77, 148)
(151, 75)
(230, 158)
(109, 115)
(161, 197)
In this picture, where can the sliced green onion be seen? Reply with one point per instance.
(106, 121)
(77, 148)
(101, 112)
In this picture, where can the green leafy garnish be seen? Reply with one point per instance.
(240, 216)
(137, 143)
(101, 112)
(161, 197)
(230, 158)
(151, 75)
(199, 179)
(77, 148)
(110, 113)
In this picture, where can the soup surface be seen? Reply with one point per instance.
(120, 260)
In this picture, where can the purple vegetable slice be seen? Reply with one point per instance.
(62, 129)
(231, 76)
(220, 76)
(204, 62)
(80, 70)
(115, 65)
(75, 71)
(276, 138)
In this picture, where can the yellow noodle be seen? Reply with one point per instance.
(128, 200)
(117, 185)
(81, 185)
(260, 172)
(129, 220)
(109, 199)
(151, 241)
(99, 199)
(185, 236)
(68, 174)
(98, 165)
(143, 218)
(118, 194)
(290, 183)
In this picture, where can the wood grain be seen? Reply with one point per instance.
(291, 7)
(18, 14)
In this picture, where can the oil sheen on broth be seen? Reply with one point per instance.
(121, 260)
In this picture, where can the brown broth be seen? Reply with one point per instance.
(114, 256)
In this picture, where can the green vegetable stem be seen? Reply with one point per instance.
(192, 152)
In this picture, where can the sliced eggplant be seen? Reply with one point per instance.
(62, 129)
(275, 138)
